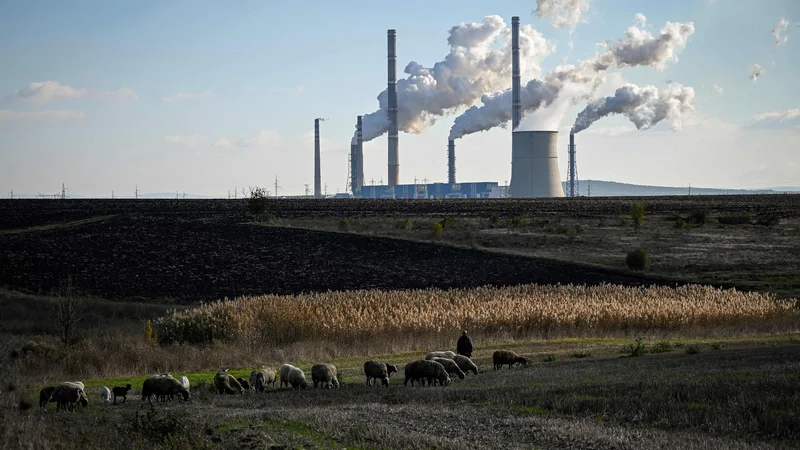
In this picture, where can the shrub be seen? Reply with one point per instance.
(258, 202)
(437, 230)
(636, 349)
(494, 221)
(448, 222)
(516, 222)
(405, 224)
(637, 215)
(149, 333)
(637, 260)
(562, 229)
(662, 347)
(344, 225)
(550, 358)
(717, 345)
(769, 220)
(698, 218)
(692, 349)
(736, 219)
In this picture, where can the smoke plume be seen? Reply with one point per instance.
(779, 32)
(562, 13)
(644, 106)
(479, 62)
(755, 72)
(570, 84)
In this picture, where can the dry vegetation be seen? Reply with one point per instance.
(517, 312)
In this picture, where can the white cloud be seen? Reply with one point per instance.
(779, 32)
(224, 143)
(45, 91)
(192, 140)
(562, 13)
(775, 119)
(51, 116)
(718, 89)
(755, 72)
(181, 96)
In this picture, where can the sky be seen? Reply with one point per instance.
(204, 97)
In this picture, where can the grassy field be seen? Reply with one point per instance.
(589, 394)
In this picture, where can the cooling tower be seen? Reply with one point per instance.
(534, 165)
(394, 157)
(317, 174)
(451, 161)
(516, 103)
(359, 166)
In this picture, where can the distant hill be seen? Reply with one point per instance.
(614, 189)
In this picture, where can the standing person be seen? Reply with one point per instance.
(464, 345)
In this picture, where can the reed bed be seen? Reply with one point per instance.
(521, 311)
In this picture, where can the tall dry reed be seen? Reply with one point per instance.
(521, 311)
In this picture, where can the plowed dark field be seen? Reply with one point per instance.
(153, 257)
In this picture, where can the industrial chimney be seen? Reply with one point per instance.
(359, 165)
(534, 165)
(516, 103)
(572, 172)
(394, 157)
(317, 174)
(451, 161)
(353, 167)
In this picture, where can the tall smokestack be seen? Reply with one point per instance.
(359, 174)
(353, 168)
(516, 103)
(571, 181)
(394, 157)
(451, 161)
(317, 171)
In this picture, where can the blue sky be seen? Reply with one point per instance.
(261, 71)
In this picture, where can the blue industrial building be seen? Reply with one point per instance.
(484, 189)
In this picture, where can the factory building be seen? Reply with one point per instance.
(485, 189)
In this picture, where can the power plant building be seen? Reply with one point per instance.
(485, 189)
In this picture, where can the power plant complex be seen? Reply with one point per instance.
(534, 154)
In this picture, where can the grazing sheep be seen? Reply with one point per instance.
(502, 357)
(185, 382)
(326, 375)
(67, 395)
(44, 395)
(285, 369)
(161, 386)
(227, 384)
(297, 379)
(105, 395)
(245, 384)
(440, 354)
(423, 370)
(119, 391)
(260, 379)
(450, 366)
(375, 370)
(465, 364)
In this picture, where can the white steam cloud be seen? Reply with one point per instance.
(562, 13)
(755, 72)
(779, 32)
(644, 106)
(718, 89)
(479, 62)
(570, 84)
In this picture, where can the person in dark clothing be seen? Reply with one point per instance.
(464, 345)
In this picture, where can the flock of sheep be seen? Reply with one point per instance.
(436, 368)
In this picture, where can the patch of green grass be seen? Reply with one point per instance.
(582, 354)
(54, 226)
(636, 349)
(717, 346)
(662, 347)
(550, 358)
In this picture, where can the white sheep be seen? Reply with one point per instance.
(285, 369)
(105, 395)
(440, 354)
(296, 378)
(465, 364)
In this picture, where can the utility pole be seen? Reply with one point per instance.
(63, 192)
(184, 195)
(276, 186)
(137, 192)
(690, 188)
(11, 194)
(590, 188)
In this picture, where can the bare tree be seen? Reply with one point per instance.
(67, 313)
